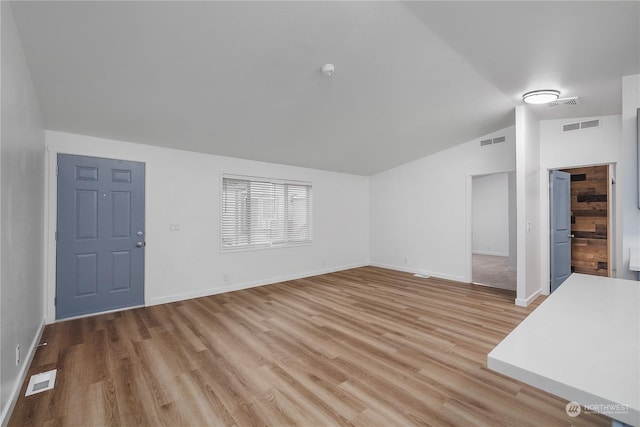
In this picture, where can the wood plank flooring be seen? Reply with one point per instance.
(367, 347)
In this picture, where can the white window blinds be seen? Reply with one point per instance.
(259, 212)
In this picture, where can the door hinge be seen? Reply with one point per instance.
(55, 301)
(56, 235)
(57, 169)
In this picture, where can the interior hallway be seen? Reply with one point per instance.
(493, 271)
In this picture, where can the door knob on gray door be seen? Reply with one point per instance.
(139, 244)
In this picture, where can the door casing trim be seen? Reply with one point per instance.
(545, 241)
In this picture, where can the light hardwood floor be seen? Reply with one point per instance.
(367, 346)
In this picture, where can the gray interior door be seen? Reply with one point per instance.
(100, 235)
(560, 225)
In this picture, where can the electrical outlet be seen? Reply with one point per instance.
(405, 261)
(18, 355)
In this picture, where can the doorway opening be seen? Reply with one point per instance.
(591, 220)
(493, 226)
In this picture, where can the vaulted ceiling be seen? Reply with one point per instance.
(243, 78)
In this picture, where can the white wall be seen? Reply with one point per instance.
(184, 188)
(421, 211)
(592, 146)
(513, 223)
(628, 173)
(528, 205)
(21, 215)
(585, 147)
(490, 222)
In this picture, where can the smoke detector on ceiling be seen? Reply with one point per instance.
(327, 70)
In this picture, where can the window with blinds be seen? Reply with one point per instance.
(258, 212)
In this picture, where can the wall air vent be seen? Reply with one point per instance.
(571, 126)
(564, 102)
(582, 125)
(496, 140)
(590, 124)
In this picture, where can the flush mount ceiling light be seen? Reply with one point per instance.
(541, 96)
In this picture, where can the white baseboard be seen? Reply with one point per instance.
(238, 286)
(22, 375)
(490, 253)
(423, 272)
(525, 302)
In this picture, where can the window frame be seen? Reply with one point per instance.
(269, 245)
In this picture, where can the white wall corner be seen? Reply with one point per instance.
(528, 202)
(524, 302)
(22, 375)
(437, 275)
(468, 244)
(627, 176)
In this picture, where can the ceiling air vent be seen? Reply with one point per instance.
(485, 142)
(499, 139)
(564, 102)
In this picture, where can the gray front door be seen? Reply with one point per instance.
(560, 225)
(100, 235)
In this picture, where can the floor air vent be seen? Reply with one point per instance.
(41, 382)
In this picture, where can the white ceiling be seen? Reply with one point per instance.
(243, 79)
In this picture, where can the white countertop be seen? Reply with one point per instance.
(582, 344)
